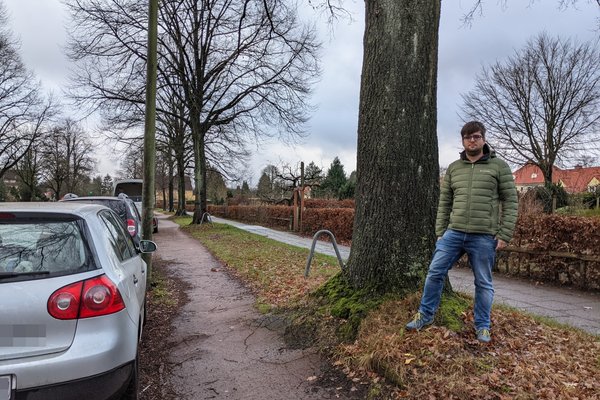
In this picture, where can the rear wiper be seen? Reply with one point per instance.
(29, 273)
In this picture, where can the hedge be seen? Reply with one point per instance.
(537, 233)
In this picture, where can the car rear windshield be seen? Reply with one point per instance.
(117, 206)
(38, 248)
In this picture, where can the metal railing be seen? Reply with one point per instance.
(209, 219)
(312, 250)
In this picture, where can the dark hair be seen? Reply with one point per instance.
(472, 127)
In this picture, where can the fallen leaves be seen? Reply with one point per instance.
(526, 360)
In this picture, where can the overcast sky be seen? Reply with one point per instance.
(493, 36)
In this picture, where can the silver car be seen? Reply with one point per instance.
(72, 296)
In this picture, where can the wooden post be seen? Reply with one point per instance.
(583, 273)
(295, 210)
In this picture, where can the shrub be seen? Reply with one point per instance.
(327, 203)
(338, 221)
(546, 194)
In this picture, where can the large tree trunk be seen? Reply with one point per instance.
(181, 188)
(199, 177)
(546, 168)
(171, 185)
(397, 161)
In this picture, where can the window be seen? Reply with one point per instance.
(119, 239)
(41, 248)
(134, 211)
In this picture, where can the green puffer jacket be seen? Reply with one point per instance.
(478, 197)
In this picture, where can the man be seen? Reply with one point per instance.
(476, 215)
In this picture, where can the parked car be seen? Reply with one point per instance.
(72, 302)
(134, 189)
(122, 205)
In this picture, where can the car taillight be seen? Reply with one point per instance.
(131, 227)
(64, 303)
(90, 298)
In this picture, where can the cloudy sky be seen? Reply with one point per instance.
(463, 50)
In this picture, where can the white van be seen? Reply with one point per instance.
(132, 188)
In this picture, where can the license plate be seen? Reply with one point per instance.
(5, 387)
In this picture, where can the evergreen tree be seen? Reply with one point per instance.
(245, 188)
(107, 185)
(313, 175)
(2, 191)
(348, 189)
(335, 179)
(265, 188)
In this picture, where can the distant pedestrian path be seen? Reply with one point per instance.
(565, 305)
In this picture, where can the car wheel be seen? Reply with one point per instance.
(131, 393)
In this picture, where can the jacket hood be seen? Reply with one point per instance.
(488, 153)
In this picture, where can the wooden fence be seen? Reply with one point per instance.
(582, 270)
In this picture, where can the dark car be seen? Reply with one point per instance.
(122, 205)
(134, 189)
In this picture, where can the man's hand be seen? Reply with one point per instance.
(501, 244)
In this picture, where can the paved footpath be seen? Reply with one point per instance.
(565, 305)
(222, 347)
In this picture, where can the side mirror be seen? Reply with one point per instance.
(147, 246)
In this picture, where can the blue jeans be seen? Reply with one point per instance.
(481, 249)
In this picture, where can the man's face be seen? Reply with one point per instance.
(473, 143)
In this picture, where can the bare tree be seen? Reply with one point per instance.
(174, 142)
(132, 163)
(67, 158)
(23, 112)
(242, 69)
(477, 8)
(586, 160)
(542, 104)
(243, 65)
(286, 178)
(268, 188)
(28, 169)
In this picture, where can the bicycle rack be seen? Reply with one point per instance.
(209, 219)
(312, 250)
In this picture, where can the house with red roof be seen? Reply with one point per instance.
(580, 179)
(576, 180)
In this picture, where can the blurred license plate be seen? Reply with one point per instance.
(5, 387)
